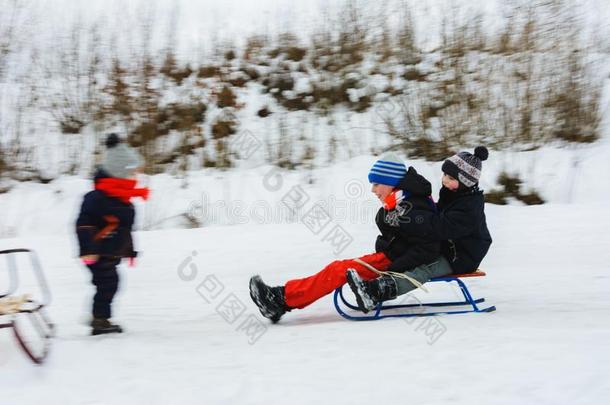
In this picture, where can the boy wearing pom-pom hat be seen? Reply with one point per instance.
(104, 226)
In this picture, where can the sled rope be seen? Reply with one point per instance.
(392, 274)
(12, 305)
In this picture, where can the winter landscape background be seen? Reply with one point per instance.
(235, 104)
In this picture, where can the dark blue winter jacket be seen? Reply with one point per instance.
(407, 251)
(104, 225)
(460, 224)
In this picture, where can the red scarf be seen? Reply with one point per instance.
(123, 189)
(393, 199)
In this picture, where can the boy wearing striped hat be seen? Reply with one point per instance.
(400, 190)
(459, 225)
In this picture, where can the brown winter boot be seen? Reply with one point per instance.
(101, 326)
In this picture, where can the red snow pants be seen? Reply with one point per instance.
(301, 292)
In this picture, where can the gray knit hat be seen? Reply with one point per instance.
(120, 160)
(466, 167)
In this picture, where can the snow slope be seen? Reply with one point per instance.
(546, 344)
(253, 195)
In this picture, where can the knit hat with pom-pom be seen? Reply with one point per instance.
(466, 167)
(119, 159)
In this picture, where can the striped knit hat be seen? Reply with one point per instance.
(388, 170)
(466, 167)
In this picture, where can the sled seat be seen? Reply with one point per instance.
(419, 308)
(477, 273)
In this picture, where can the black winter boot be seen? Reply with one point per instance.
(101, 326)
(371, 293)
(269, 300)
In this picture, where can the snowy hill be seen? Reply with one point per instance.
(253, 195)
(546, 344)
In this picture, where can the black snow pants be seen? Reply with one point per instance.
(106, 281)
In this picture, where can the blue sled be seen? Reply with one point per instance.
(417, 309)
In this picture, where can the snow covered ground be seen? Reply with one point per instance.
(546, 344)
(547, 275)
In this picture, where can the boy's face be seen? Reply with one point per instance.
(449, 182)
(381, 191)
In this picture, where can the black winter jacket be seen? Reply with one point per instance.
(104, 225)
(407, 251)
(460, 224)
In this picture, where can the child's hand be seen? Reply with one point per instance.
(393, 199)
(89, 259)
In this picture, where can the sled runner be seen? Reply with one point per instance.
(419, 308)
(25, 316)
